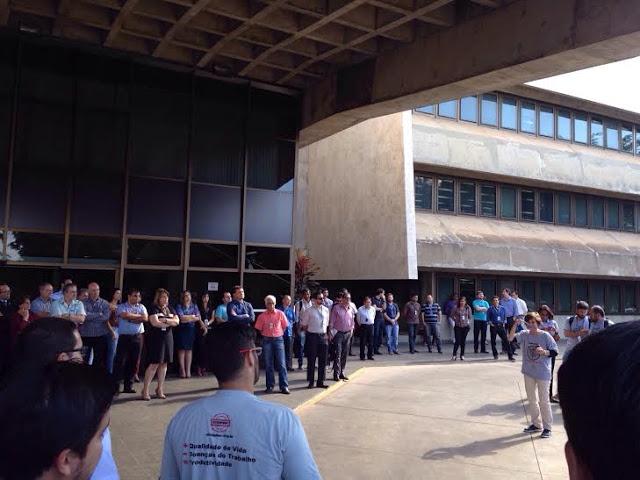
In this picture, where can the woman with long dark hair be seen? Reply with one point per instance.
(461, 316)
(206, 315)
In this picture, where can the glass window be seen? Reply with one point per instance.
(597, 132)
(546, 207)
(447, 109)
(488, 200)
(259, 285)
(489, 109)
(488, 286)
(507, 202)
(468, 197)
(630, 298)
(8, 47)
(581, 289)
(637, 140)
(444, 289)
(445, 195)
(628, 217)
(509, 113)
(597, 212)
(564, 296)
(271, 164)
(268, 217)
(613, 214)
(527, 291)
(467, 288)
(580, 128)
(35, 247)
(156, 207)
(94, 250)
(266, 258)
(215, 212)
(29, 190)
(528, 117)
(217, 150)
(545, 121)
(547, 294)
(596, 293)
(97, 204)
(527, 205)
(564, 208)
(150, 280)
(213, 255)
(142, 251)
(564, 125)
(611, 135)
(469, 108)
(198, 281)
(423, 192)
(273, 115)
(582, 211)
(627, 138)
(426, 109)
(613, 299)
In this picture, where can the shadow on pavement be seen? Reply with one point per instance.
(511, 411)
(480, 448)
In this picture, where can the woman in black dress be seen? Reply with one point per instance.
(206, 314)
(159, 342)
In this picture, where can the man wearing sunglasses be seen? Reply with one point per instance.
(233, 434)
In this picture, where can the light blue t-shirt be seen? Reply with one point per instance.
(125, 327)
(221, 312)
(482, 304)
(533, 364)
(234, 435)
(106, 468)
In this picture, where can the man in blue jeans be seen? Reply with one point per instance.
(272, 324)
(391, 316)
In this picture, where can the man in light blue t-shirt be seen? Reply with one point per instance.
(232, 434)
(480, 307)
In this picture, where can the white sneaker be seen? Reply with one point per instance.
(453, 358)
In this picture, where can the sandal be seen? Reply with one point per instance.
(160, 395)
(146, 397)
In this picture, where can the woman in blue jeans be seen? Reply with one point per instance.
(271, 324)
(391, 316)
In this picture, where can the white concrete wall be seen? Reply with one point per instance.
(354, 208)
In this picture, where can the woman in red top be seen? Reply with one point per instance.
(272, 324)
(20, 319)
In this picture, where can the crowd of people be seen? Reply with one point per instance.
(55, 407)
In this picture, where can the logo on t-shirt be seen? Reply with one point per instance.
(531, 352)
(220, 422)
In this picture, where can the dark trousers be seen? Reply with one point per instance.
(378, 328)
(288, 351)
(510, 322)
(316, 345)
(480, 330)
(498, 330)
(460, 334)
(127, 355)
(341, 344)
(553, 367)
(432, 335)
(99, 346)
(366, 338)
(412, 327)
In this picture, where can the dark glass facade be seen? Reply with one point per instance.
(141, 175)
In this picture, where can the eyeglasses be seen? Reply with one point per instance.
(83, 351)
(258, 350)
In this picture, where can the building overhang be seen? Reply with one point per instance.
(489, 246)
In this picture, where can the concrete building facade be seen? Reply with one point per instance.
(520, 188)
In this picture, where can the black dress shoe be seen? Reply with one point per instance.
(344, 377)
(310, 385)
(268, 390)
(290, 370)
(335, 378)
(128, 390)
(322, 385)
(370, 358)
(285, 391)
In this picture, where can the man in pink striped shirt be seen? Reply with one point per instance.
(341, 325)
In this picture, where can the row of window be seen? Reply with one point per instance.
(544, 120)
(471, 197)
(105, 250)
(620, 298)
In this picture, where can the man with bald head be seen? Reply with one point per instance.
(95, 329)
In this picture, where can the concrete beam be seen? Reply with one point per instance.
(523, 41)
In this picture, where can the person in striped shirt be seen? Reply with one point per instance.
(431, 318)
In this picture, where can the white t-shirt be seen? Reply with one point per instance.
(234, 435)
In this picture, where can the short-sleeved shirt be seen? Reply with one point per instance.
(234, 435)
(577, 324)
(40, 305)
(534, 364)
(272, 324)
(60, 307)
(316, 319)
(496, 315)
(510, 306)
(431, 312)
(597, 326)
(412, 312)
(550, 326)
(126, 327)
(221, 312)
(379, 303)
(478, 315)
(391, 310)
(290, 313)
(366, 316)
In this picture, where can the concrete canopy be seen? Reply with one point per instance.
(491, 246)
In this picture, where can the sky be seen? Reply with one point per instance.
(615, 84)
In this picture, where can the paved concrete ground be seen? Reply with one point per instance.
(419, 416)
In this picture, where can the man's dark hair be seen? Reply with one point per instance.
(48, 410)
(316, 293)
(43, 340)
(582, 305)
(68, 286)
(494, 297)
(235, 289)
(304, 290)
(379, 291)
(133, 291)
(224, 345)
(413, 294)
(508, 290)
(600, 399)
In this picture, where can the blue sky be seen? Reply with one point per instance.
(616, 84)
